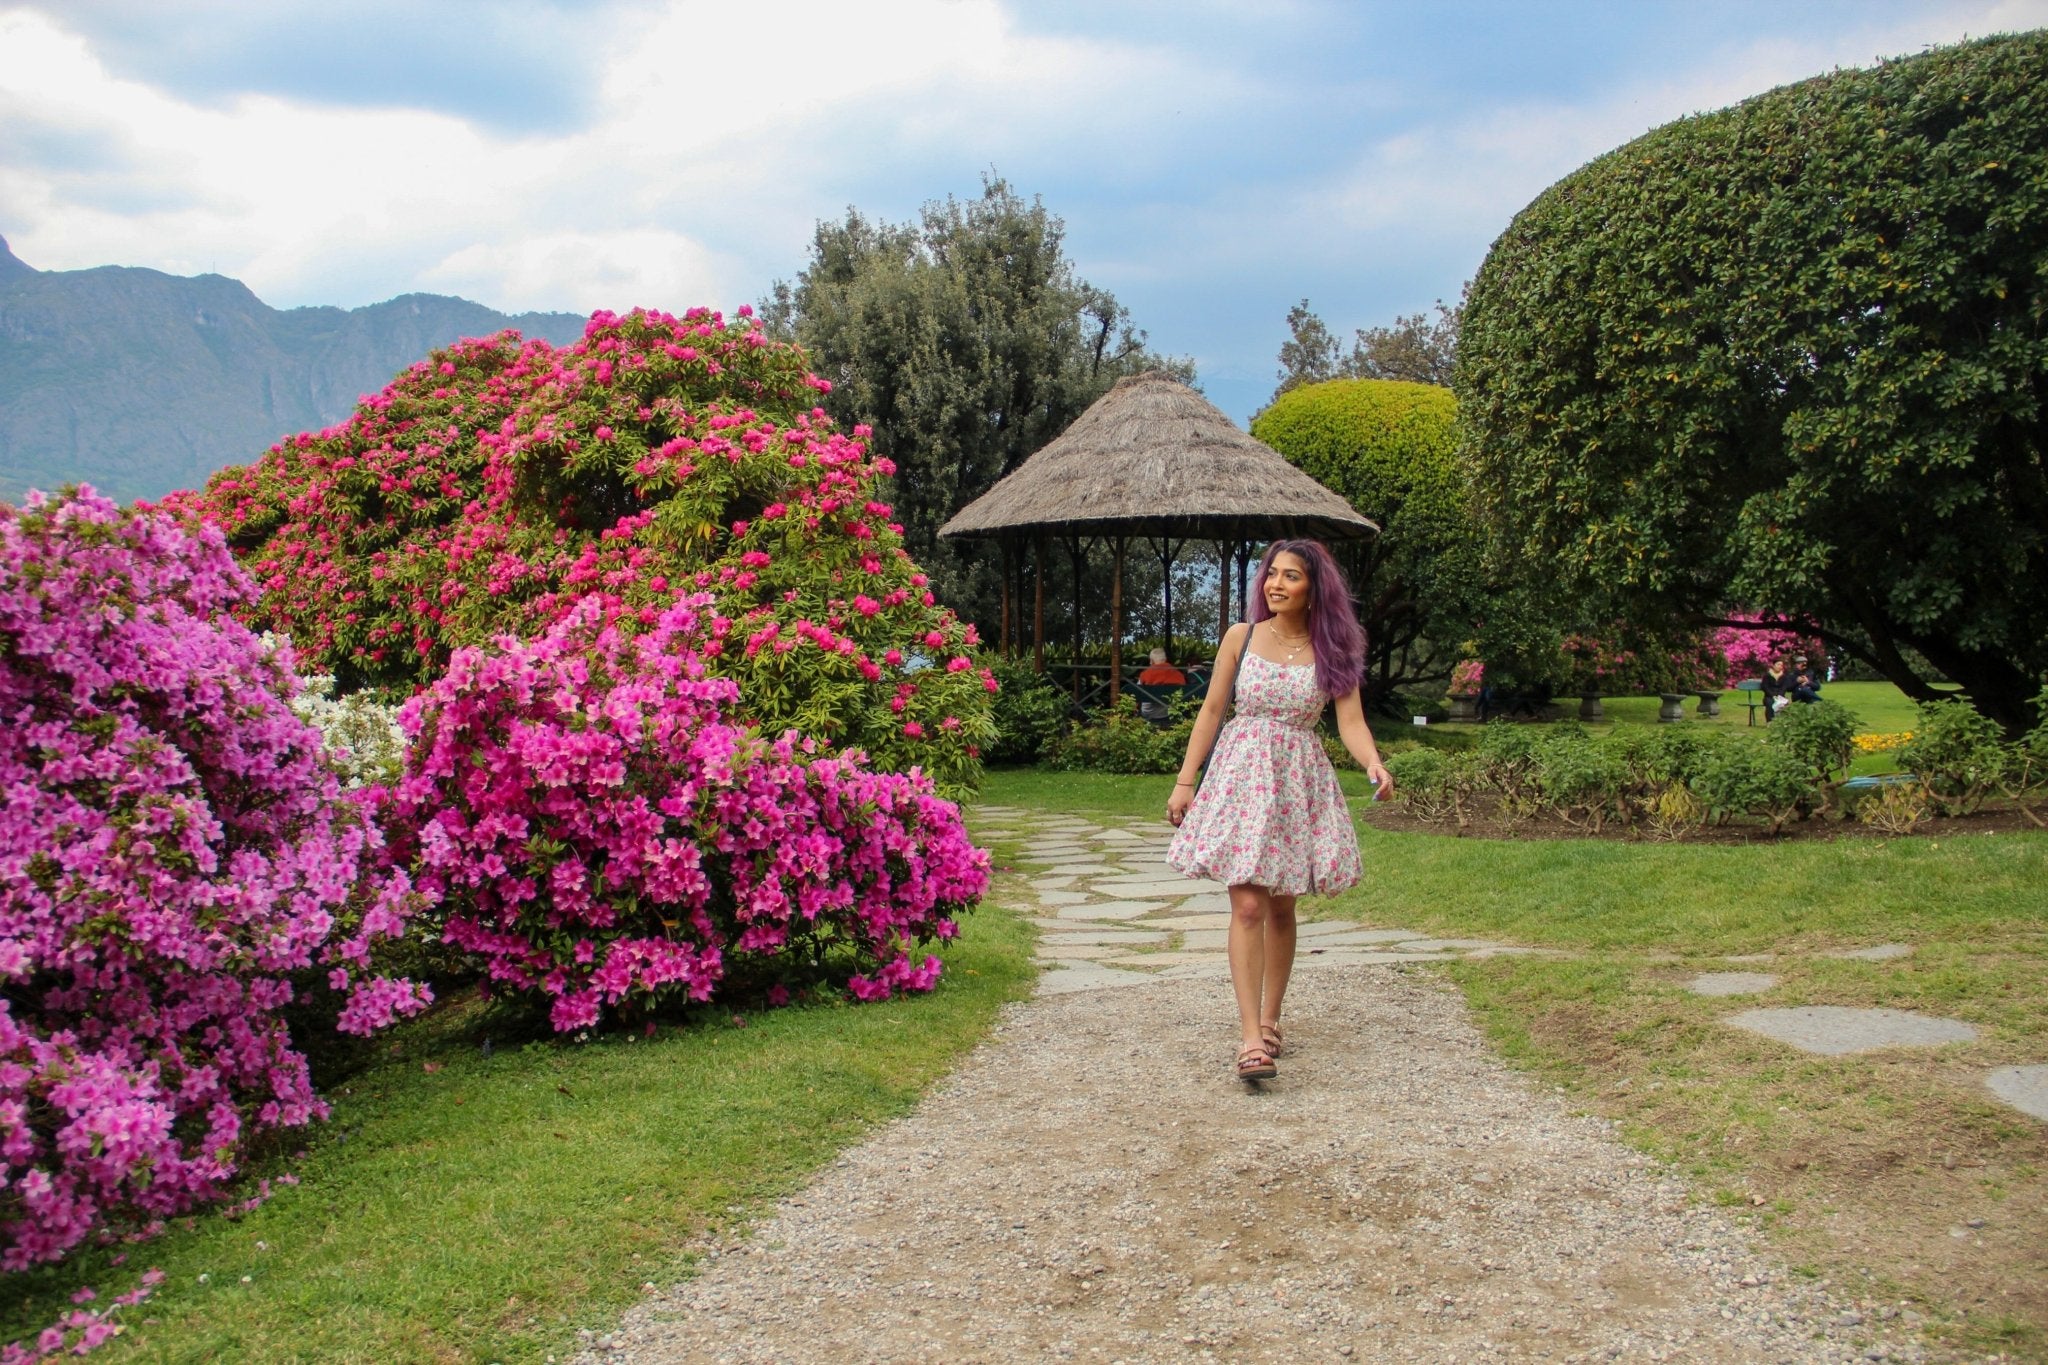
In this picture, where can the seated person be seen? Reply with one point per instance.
(1805, 680)
(1777, 686)
(1160, 673)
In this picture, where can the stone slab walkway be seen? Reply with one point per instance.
(1112, 914)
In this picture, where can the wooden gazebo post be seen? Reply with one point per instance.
(1116, 620)
(1038, 604)
(1003, 643)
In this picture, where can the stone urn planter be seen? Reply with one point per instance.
(1589, 708)
(1710, 704)
(1464, 705)
(1673, 708)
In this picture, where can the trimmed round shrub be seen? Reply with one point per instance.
(497, 483)
(600, 831)
(1390, 448)
(174, 851)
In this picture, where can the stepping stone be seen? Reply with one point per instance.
(1205, 940)
(1078, 869)
(1122, 836)
(1438, 945)
(1048, 896)
(1087, 977)
(1751, 957)
(1193, 964)
(1352, 937)
(1347, 957)
(1206, 902)
(1883, 952)
(1323, 928)
(1833, 1030)
(1172, 888)
(1045, 883)
(1731, 983)
(2025, 1088)
(1072, 933)
(1054, 950)
(1218, 922)
(1109, 910)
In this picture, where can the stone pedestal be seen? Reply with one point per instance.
(1710, 704)
(1673, 708)
(1589, 708)
(1464, 705)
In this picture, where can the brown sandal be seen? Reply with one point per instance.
(1254, 1063)
(1274, 1042)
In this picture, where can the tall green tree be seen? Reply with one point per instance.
(1418, 348)
(1793, 354)
(967, 341)
(1391, 448)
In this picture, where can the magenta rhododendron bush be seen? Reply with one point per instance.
(172, 851)
(598, 829)
(498, 482)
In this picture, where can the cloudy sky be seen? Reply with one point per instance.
(1214, 160)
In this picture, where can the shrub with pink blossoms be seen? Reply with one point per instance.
(599, 830)
(1751, 645)
(498, 482)
(173, 850)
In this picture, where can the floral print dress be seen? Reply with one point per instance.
(1270, 812)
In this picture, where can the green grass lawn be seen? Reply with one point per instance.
(1860, 1165)
(468, 1207)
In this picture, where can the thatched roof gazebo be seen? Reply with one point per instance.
(1153, 459)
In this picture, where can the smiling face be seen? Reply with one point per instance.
(1287, 589)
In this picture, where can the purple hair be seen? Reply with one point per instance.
(1332, 616)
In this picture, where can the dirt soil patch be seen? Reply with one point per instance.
(1486, 821)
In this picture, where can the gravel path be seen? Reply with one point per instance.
(1094, 1185)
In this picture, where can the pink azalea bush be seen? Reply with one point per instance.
(497, 483)
(601, 831)
(1750, 646)
(173, 850)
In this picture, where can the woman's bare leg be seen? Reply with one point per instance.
(1249, 912)
(1279, 956)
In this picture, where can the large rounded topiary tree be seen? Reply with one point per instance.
(1390, 447)
(1792, 354)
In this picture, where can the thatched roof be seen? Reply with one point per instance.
(1153, 457)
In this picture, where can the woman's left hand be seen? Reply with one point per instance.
(1382, 780)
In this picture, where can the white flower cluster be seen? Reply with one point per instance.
(361, 735)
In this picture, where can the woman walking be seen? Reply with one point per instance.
(1270, 821)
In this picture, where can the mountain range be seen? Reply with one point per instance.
(138, 382)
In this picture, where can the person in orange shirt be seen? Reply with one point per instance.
(1160, 673)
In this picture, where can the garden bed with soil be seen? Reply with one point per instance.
(1488, 821)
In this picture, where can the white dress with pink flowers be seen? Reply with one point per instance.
(1270, 812)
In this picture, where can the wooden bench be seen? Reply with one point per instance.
(1752, 690)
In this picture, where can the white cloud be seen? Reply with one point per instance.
(719, 130)
(585, 271)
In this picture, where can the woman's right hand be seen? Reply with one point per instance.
(1178, 803)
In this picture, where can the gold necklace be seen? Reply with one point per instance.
(1300, 641)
